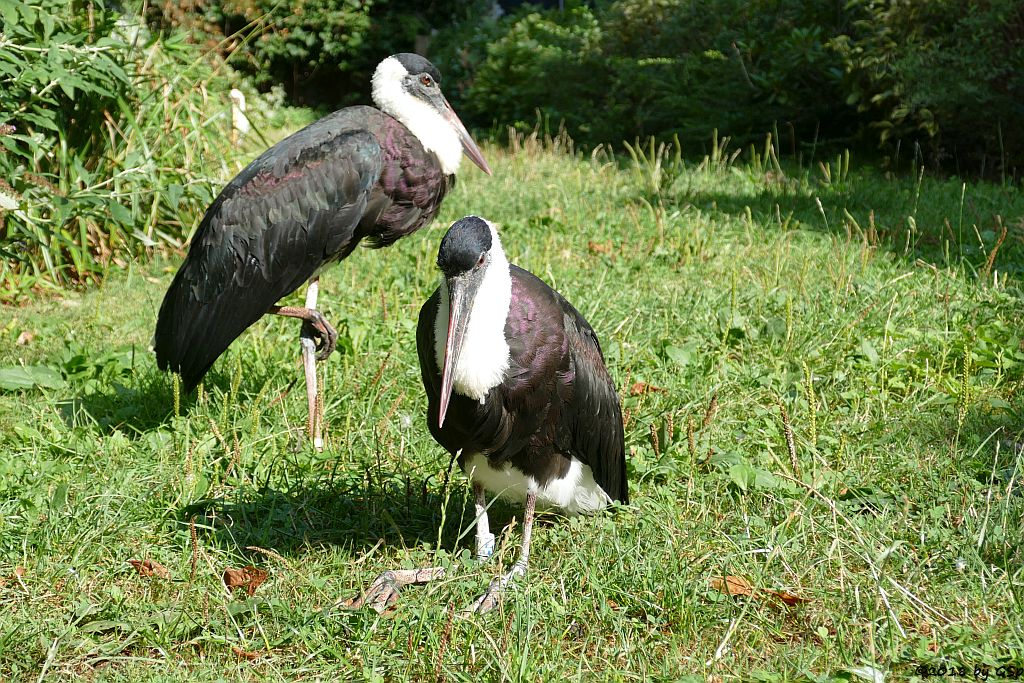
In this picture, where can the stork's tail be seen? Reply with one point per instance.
(191, 335)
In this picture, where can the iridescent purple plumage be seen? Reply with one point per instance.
(556, 402)
(308, 200)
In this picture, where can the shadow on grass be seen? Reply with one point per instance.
(132, 410)
(398, 512)
(940, 221)
(143, 403)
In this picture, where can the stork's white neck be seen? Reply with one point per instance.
(484, 359)
(426, 123)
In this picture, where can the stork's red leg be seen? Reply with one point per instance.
(490, 599)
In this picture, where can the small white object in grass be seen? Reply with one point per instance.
(239, 121)
(960, 564)
(869, 673)
(8, 201)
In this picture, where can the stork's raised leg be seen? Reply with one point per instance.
(490, 599)
(317, 334)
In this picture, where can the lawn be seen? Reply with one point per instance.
(821, 370)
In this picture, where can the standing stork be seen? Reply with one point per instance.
(517, 388)
(359, 173)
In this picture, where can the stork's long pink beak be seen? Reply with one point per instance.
(469, 146)
(457, 321)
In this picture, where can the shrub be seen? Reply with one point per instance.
(657, 67)
(875, 72)
(103, 132)
(322, 52)
(947, 74)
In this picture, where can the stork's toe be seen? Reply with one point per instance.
(489, 600)
(384, 591)
(323, 332)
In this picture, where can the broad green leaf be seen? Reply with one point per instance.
(174, 192)
(679, 355)
(29, 376)
(9, 13)
(868, 349)
(120, 213)
(743, 475)
(41, 118)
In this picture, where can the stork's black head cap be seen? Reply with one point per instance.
(415, 64)
(463, 245)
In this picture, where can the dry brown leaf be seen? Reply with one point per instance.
(246, 654)
(150, 568)
(639, 388)
(355, 602)
(248, 578)
(599, 247)
(787, 597)
(732, 585)
(14, 577)
(614, 605)
(25, 338)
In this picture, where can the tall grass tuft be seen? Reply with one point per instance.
(103, 127)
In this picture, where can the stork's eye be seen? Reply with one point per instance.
(426, 80)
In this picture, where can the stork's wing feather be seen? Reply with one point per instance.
(430, 373)
(590, 425)
(293, 209)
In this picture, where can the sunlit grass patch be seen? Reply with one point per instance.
(821, 395)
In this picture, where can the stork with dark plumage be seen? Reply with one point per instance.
(517, 388)
(359, 173)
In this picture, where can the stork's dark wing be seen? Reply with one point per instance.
(590, 426)
(429, 372)
(285, 215)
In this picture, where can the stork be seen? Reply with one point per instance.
(518, 390)
(357, 174)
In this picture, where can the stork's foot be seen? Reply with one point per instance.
(492, 597)
(322, 332)
(383, 592)
(314, 326)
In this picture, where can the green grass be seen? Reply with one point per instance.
(862, 305)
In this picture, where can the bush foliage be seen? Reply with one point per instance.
(656, 67)
(105, 133)
(322, 52)
(948, 76)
